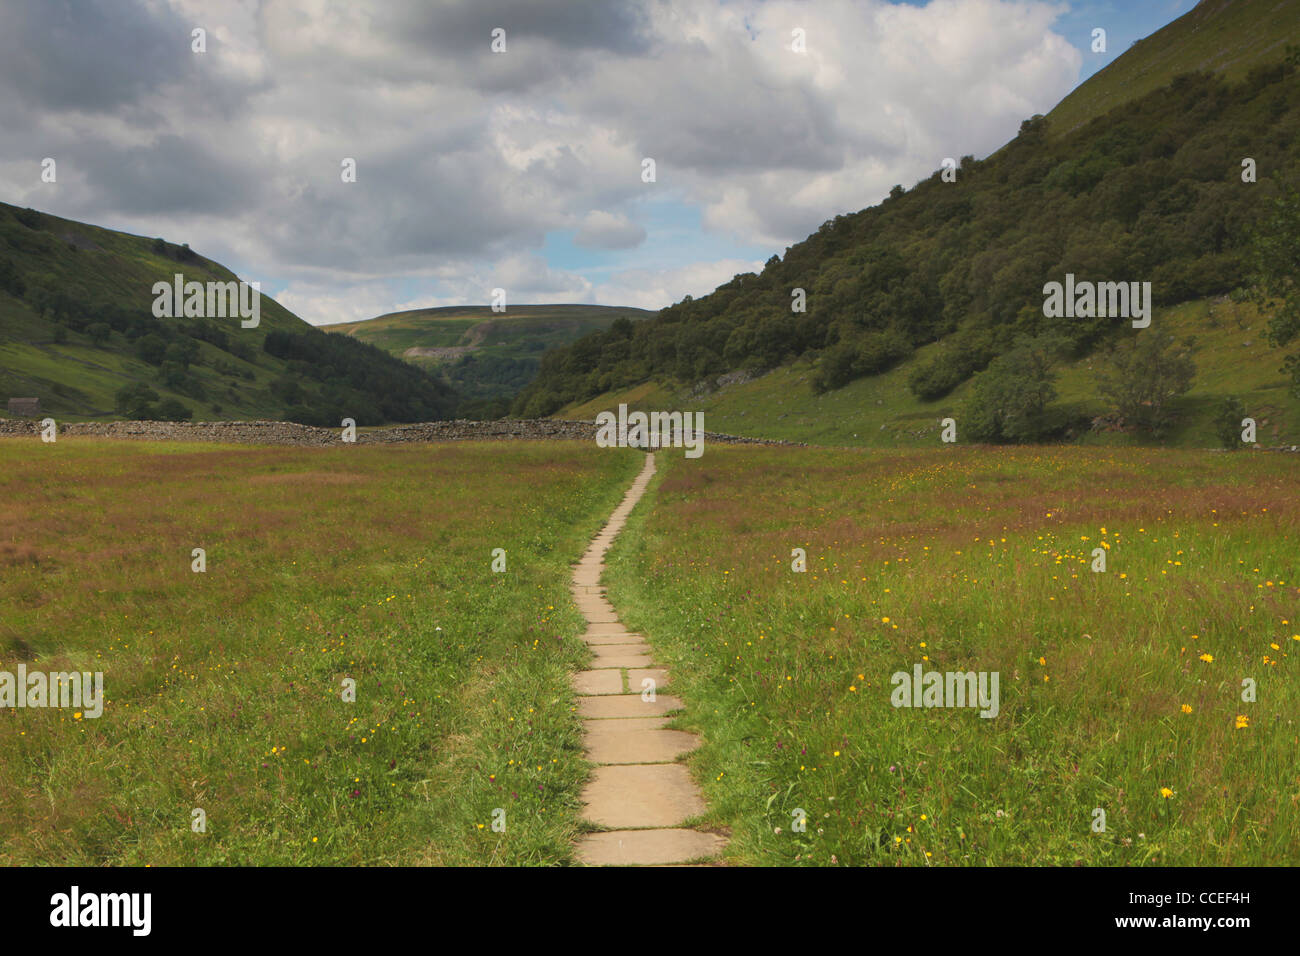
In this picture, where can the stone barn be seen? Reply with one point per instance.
(24, 407)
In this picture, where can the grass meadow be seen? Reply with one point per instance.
(1120, 691)
(224, 688)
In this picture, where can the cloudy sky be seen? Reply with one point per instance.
(519, 169)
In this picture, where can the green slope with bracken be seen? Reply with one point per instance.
(1229, 37)
(77, 325)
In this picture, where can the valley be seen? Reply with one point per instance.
(986, 559)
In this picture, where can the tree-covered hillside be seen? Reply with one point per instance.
(1152, 191)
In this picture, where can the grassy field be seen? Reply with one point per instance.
(224, 688)
(879, 411)
(1119, 691)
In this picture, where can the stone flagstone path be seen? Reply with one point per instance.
(638, 791)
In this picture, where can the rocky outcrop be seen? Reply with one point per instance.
(288, 433)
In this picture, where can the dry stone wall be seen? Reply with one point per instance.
(288, 433)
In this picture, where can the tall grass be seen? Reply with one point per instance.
(1120, 691)
(225, 687)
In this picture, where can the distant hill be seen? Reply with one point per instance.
(487, 356)
(77, 327)
(909, 301)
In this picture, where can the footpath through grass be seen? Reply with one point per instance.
(1120, 692)
(225, 688)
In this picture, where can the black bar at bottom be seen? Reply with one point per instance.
(335, 906)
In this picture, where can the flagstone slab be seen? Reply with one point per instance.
(641, 795)
(637, 746)
(637, 674)
(647, 847)
(606, 627)
(621, 637)
(626, 725)
(602, 653)
(627, 705)
(598, 682)
(624, 656)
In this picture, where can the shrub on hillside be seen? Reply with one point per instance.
(10, 279)
(1146, 378)
(850, 359)
(152, 348)
(1009, 400)
(172, 374)
(170, 410)
(183, 351)
(136, 401)
(1228, 413)
(1275, 262)
(962, 358)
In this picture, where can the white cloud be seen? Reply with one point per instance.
(327, 305)
(527, 278)
(882, 95)
(467, 160)
(604, 230)
(657, 288)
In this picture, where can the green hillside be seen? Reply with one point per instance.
(487, 356)
(1229, 37)
(880, 411)
(77, 326)
(937, 294)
